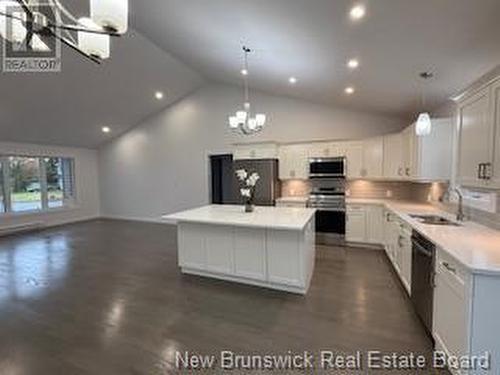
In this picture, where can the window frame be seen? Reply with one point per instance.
(42, 176)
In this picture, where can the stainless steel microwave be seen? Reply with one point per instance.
(327, 167)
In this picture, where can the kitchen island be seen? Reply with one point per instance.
(272, 247)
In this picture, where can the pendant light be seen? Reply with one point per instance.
(424, 124)
(243, 121)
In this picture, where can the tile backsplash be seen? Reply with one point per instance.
(432, 193)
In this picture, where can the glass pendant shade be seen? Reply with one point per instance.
(233, 122)
(241, 116)
(94, 44)
(111, 14)
(261, 120)
(12, 29)
(424, 125)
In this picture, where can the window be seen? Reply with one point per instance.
(35, 183)
(2, 204)
(25, 185)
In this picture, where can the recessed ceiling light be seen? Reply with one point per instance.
(244, 72)
(353, 63)
(349, 90)
(159, 95)
(106, 129)
(357, 12)
(292, 80)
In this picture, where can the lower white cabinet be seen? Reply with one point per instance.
(375, 224)
(451, 306)
(274, 258)
(365, 224)
(405, 255)
(250, 264)
(356, 224)
(284, 245)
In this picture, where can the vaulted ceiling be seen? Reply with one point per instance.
(312, 39)
(176, 45)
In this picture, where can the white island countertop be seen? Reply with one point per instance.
(285, 218)
(474, 246)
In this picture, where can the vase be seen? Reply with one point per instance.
(249, 207)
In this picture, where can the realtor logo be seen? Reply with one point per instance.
(26, 46)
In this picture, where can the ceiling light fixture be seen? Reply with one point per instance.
(159, 95)
(244, 72)
(27, 22)
(106, 129)
(243, 120)
(349, 90)
(424, 123)
(292, 80)
(353, 64)
(357, 12)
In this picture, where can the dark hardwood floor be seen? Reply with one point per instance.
(106, 297)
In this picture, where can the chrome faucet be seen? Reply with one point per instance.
(460, 211)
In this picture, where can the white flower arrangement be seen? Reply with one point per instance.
(249, 182)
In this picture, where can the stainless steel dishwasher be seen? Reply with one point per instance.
(423, 273)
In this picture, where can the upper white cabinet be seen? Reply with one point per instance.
(293, 162)
(431, 158)
(479, 138)
(373, 158)
(428, 158)
(476, 135)
(393, 156)
(256, 151)
(353, 151)
(495, 113)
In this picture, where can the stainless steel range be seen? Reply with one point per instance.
(328, 197)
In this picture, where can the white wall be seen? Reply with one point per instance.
(162, 165)
(87, 185)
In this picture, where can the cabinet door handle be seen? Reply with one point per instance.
(449, 268)
(408, 172)
(480, 171)
(400, 171)
(488, 171)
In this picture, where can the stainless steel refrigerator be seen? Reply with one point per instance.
(268, 188)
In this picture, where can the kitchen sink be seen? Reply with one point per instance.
(434, 220)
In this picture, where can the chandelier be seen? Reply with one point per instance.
(33, 23)
(244, 121)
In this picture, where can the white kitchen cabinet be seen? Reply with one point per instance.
(408, 152)
(451, 306)
(431, 158)
(373, 158)
(476, 137)
(219, 249)
(356, 223)
(495, 115)
(255, 151)
(250, 264)
(284, 245)
(405, 255)
(323, 150)
(375, 225)
(293, 161)
(393, 156)
(353, 152)
(191, 237)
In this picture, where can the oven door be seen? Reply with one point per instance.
(330, 226)
(325, 168)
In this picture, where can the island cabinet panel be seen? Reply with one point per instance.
(192, 242)
(219, 249)
(250, 253)
(284, 258)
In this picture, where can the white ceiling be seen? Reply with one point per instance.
(312, 39)
(70, 108)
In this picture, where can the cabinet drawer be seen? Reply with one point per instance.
(455, 275)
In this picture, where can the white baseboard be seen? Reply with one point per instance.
(132, 218)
